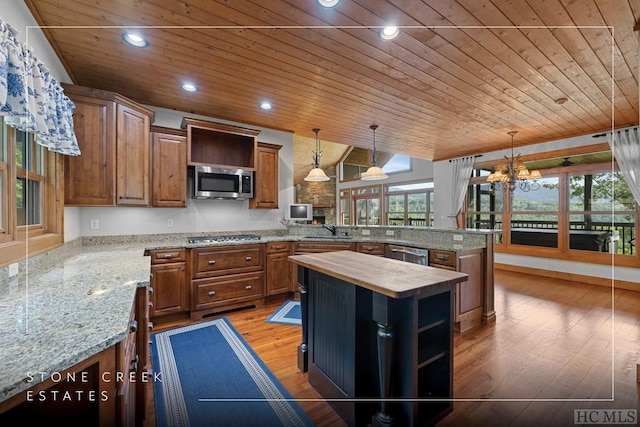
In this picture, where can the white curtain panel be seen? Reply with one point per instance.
(461, 172)
(625, 145)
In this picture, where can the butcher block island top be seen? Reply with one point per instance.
(393, 278)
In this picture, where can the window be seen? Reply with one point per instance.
(583, 211)
(367, 205)
(31, 203)
(409, 204)
(484, 207)
(359, 159)
(601, 205)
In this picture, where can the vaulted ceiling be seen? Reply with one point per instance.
(461, 74)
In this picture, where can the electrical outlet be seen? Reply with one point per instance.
(366, 232)
(457, 237)
(390, 232)
(170, 223)
(13, 269)
(95, 224)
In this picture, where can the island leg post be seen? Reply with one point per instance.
(303, 277)
(384, 338)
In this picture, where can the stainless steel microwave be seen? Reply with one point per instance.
(220, 183)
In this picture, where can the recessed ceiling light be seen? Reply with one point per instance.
(189, 87)
(328, 3)
(389, 33)
(135, 40)
(266, 105)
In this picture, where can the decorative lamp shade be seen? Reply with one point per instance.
(316, 175)
(373, 173)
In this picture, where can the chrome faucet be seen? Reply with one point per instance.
(332, 228)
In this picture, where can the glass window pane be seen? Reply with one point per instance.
(361, 212)
(396, 209)
(22, 155)
(344, 212)
(27, 201)
(373, 214)
(546, 198)
(534, 230)
(397, 163)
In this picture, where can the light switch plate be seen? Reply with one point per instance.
(390, 232)
(13, 269)
(457, 237)
(366, 232)
(95, 224)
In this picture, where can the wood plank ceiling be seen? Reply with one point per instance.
(461, 74)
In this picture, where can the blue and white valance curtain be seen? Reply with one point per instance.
(31, 99)
(625, 146)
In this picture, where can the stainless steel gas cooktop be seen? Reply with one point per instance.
(223, 238)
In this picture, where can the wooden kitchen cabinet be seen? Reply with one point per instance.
(170, 297)
(300, 248)
(226, 277)
(218, 144)
(168, 167)
(468, 294)
(113, 136)
(370, 248)
(277, 268)
(266, 187)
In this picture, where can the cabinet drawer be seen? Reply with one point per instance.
(370, 248)
(275, 247)
(307, 247)
(209, 262)
(162, 256)
(216, 291)
(438, 258)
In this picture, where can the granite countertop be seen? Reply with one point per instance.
(54, 316)
(393, 278)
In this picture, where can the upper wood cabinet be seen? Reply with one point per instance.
(168, 167)
(266, 186)
(218, 144)
(113, 136)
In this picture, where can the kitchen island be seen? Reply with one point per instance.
(377, 336)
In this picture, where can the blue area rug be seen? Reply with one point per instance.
(288, 314)
(211, 377)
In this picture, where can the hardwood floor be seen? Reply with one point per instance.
(556, 347)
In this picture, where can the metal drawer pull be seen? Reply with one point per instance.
(279, 247)
(211, 293)
(247, 258)
(248, 287)
(168, 255)
(212, 261)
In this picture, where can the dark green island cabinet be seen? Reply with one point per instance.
(377, 337)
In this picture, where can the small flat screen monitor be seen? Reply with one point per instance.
(299, 212)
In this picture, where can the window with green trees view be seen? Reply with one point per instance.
(582, 208)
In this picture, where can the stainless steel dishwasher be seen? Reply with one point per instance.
(403, 253)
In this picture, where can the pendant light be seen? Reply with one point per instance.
(374, 172)
(316, 174)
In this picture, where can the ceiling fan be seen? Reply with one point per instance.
(566, 162)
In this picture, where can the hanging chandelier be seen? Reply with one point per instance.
(316, 174)
(513, 173)
(374, 172)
